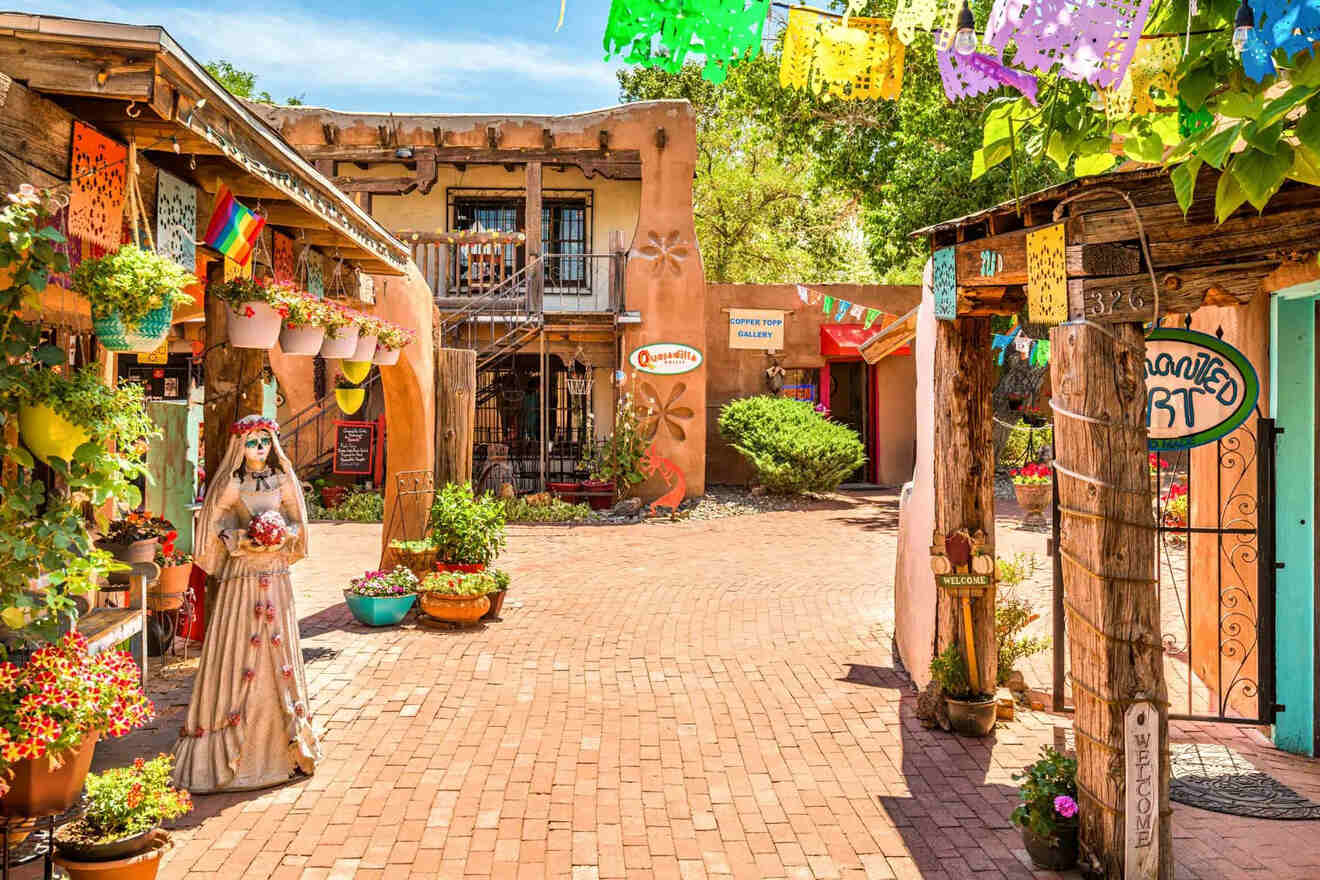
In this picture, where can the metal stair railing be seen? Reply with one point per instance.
(497, 323)
(302, 435)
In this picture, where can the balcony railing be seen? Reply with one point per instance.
(568, 282)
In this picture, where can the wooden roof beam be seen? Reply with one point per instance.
(79, 70)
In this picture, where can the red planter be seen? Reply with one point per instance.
(463, 567)
(333, 496)
(599, 493)
(566, 491)
(194, 628)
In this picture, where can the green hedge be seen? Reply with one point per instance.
(792, 448)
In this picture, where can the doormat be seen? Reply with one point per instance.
(1214, 777)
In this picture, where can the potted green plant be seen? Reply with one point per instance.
(417, 556)
(133, 293)
(256, 311)
(456, 597)
(52, 711)
(304, 322)
(497, 595)
(167, 591)
(349, 397)
(369, 328)
(971, 712)
(1048, 812)
(1033, 485)
(59, 413)
(616, 463)
(382, 598)
(341, 331)
(134, 538)
(119, 837)
(468, 532)
(390, 342)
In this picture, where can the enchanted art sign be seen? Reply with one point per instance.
(1198, 389)
(665, 358)
(756, 328)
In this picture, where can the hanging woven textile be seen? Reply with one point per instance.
(922, 15)
(1290, 25)
(862, 60)
(978, 73)
(661, 33)
(1091, 40)
(1153, 66)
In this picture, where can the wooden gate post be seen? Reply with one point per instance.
(1107, 552)
(455, 414)
(965, 471)
(233, 386)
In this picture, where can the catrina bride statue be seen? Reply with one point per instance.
(249, 724)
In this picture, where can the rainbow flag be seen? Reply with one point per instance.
(233, 229)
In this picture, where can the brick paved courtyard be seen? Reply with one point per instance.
(678, 700)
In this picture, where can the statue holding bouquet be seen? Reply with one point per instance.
(249, 723)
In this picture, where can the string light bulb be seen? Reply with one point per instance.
(1243, 23)
(964, 39)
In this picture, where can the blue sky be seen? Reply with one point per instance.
(452, 56)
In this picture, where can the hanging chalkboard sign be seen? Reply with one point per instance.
(354, 447)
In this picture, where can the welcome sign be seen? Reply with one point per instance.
(1198, 389)
(665, 358)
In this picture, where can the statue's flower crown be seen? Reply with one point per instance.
(248, 424)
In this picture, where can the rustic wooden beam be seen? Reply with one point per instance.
(455, 414)
(993, 261)
(474, 155)
(386, 185)
(34, 130)
(1103, 259)
(1107, 551)
(890, 339)
(290, 215)
(79, 70)
(986, 301)
(1129, 298)
(534, 232)
(493, 137)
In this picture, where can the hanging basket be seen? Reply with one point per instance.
(386, 357)
(46, 433)
(304, 341)
(146, 335)
(366, 348)
(341, 346)
(579, 386)
(355, 370)
(254, 325)
(350, 400)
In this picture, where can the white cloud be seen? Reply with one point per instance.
(303, 53)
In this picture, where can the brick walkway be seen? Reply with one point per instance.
(681, 700)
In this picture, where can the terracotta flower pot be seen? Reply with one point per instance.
(123, 848)
(496, 605)
(138, 551)
(355, 371)
(146, 335)
(139, 867)
(462, 610)
(1034, 498)
(366, 348)
(167, 593)
(40, 789)
(1056, 853)
(971, 718)
(304, 341)
(47, 433)
(254, 325)
(386, 357)
(341, 346)
(350, 400)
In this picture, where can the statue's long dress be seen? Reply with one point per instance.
(249, 723)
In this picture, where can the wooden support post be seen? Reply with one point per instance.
(965, 474)
(543, 391)
(233, 380)
(534, 233)
(455, 414)
(1107, 551)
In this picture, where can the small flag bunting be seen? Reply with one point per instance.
(233, 229)
(827, 304)
(871, 315)
(842, 309)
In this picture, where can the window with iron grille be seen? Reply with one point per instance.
(565, 231)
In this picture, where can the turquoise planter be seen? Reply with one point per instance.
(379, 610)
(146, 335)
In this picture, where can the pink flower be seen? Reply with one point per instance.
(1065, 806)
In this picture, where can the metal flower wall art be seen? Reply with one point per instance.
(668, 413)
(667, 252)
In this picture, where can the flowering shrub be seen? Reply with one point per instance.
(242, 290)
(335, 317)
(394, 337)
(1174, 507)
(1049, 794)
(268, 529)
(457, 583)
(299, 308)
(399, 582)
(170, 558)
(62, 694)
(126, 801)
(368, 325)
(1032, 475)
(1156, 464)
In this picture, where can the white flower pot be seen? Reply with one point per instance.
(385, 358)
(304, 341)
(259, 329)
(366, 349)
(341, 346)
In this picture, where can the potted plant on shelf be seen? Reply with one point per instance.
(971, 713)
(390, 343)
(468, 532)
(167, 591)
(304, 323)
(616, 463)
(349, 397)
(52, 711)
(382, 598)
(133, 293)
(368, 332)
(417, 556)
(497, 595)
(456, 597)
(1032, 483)
(341, 331)
(120, 837)
(134, 538)
(256, 311)
(1048, 812)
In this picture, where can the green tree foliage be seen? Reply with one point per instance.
(243, 84)
(793, 448)
(763, 213)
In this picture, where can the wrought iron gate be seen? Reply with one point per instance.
(1214, 516)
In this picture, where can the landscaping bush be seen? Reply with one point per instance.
(793, 448)
(364, 507)
(520, 510)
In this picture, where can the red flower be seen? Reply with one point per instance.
(284, 311)
(249, 312)
(138, 763)
(291, 325)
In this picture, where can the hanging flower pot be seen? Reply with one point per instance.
(46, 433)
(390, 340)
(301, 340)
(366, 348)
(386, 357)
(342, 346)
(254, 324)
(145, 335)
(355, 370)
(350, 400)
(132, 552)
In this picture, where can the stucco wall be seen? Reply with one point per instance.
(735, 373)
